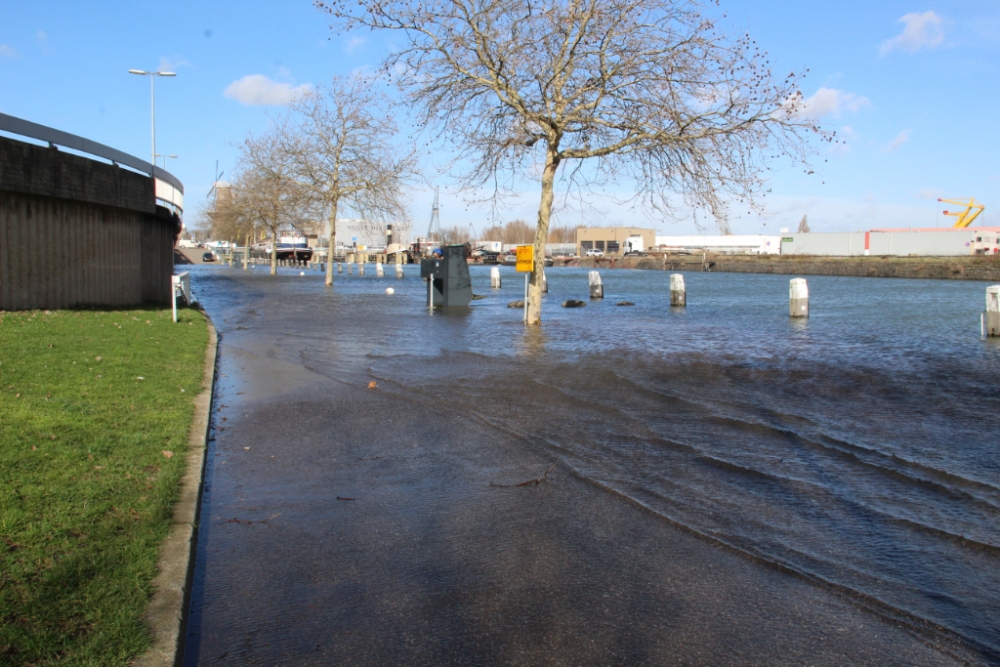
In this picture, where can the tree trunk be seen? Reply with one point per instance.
(274, 253)
(332, 242)
(541, 234)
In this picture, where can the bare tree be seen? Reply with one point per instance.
(269, 195)
(648, 90)
(804, 225)
(337, 144)
(563, 233)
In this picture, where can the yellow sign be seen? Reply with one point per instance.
(525, 258)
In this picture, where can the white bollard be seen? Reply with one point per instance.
(596, 288)
(361, 269)
(991, 326)
(798, 298)
(340, 267)
(545, 283)
(495, 277)
(349, 269)
(379, 271)
(399, 270)
(678, 295)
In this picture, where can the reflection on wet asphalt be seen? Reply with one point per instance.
(730, 487)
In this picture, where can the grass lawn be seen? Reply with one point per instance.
(95, 408)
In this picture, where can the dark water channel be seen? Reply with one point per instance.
(730, 487)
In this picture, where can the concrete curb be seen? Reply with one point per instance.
(166, 614)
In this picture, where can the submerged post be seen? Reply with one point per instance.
(495, 277)
(340, 267)
(379, 271)
(991, 317)
(798, 298)
(596, 288)
(361, 269)
(678, 295)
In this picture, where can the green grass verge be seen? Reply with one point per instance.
(95, 408)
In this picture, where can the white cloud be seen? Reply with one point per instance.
(172, 63)
(830, 101)
(354, 44)
(7, 51)
(898, 142)
(921, 31)
(257, 89)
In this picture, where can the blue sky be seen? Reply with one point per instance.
(912, 86)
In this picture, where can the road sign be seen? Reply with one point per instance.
(525, 258)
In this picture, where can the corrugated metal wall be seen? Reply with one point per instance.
(57, 253)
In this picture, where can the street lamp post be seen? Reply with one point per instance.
(165, 156)
(152, 104)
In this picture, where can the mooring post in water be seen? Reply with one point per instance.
(379, 271)
(349, 269)
(495, 277)
(798, 298)
(991, 318)
(596, 288)
(361, 269)
(545, 283)
(678, 296)
(340, 267)
(399, 270)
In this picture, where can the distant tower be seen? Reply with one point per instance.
(434, 230)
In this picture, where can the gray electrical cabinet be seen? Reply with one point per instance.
(450, 283)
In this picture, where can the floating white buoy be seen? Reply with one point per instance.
(389, 290)
(302, 273)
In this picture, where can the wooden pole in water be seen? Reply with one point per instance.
(798, 298)
(596, 288)
(379, 271)
(678, 294)
(495, 277)
(991, 325)
(399, 270)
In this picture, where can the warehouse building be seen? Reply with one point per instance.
(903, 242)
(611, 240)
(727, 245)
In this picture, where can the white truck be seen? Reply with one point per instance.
(633, 245)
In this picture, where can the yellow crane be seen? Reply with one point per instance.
(971, 212)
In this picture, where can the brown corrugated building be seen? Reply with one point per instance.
(610, 240)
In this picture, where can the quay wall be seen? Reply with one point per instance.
(941, 268)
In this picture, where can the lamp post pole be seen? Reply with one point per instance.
(152, 106)
(165, 156)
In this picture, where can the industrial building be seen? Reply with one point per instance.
(728, 245)
(931, 242)
(611, 240)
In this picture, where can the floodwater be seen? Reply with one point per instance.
(730, 486)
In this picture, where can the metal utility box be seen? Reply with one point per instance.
(449, 277)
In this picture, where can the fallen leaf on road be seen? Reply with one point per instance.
(372, 385)
(168, 453)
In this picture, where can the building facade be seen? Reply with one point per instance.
(611, 240)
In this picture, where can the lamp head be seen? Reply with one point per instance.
(137, 71)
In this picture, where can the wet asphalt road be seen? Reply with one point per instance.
(348, 525)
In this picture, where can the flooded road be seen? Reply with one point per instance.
(730, 486)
